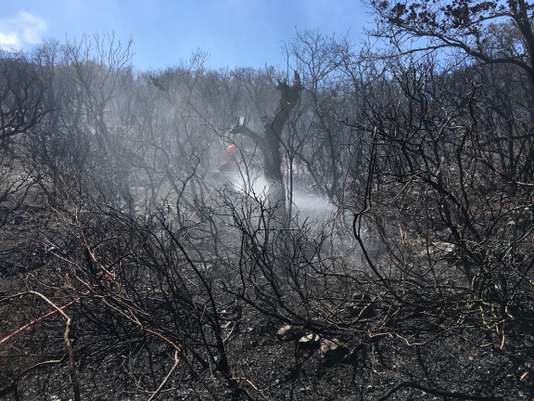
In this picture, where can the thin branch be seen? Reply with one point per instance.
(166, 378)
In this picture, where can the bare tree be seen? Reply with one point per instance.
(270, 140)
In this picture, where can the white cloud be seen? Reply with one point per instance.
(23, 29)
(9, 40)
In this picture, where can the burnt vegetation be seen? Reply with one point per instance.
(390, 257)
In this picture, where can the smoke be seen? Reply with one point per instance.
(305, 202)
(311, 202)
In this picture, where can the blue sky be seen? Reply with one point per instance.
(164, 32)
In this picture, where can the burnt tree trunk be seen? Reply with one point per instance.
(270, 140)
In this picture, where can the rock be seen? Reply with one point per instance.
(289, 333)
(328, 346)
(309, 341)
(333, 352)
(284, 330)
